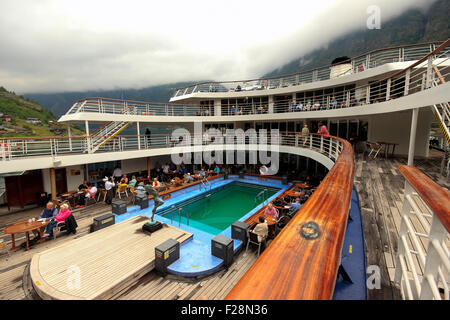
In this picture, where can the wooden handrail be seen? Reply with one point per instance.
(438, 73)
(435, 196)
(293, 267)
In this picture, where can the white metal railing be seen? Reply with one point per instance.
(422, 263)
(16, 148)
(358, 64)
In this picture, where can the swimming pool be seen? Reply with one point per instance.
(214, 211)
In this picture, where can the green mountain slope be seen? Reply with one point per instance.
(20, 109)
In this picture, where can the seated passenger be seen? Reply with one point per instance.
(49, 212)
(124, 180)
(261, 229)
(217, 169)
(83, 186)
(294, 206)
(334, 103)
(140, 190)
(132, 182)
(271, 211)
(59, 218)
(299, 107)
(188, 178)
(156, 183)
(90, 193)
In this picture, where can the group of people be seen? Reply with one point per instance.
(333, 104)
(55, 216)
(88, 191)
(290, 207)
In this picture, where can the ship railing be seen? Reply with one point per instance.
(141, 108)
(422, 263)
(417, 77)
(357, 64)
(15, 148)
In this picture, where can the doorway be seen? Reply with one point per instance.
(61, 180)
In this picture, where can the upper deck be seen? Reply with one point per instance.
(361, 67)
(388, 86)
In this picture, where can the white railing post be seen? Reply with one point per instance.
(429, 72)
(403, 232)
(388, 89)
(321, 144)
(368, 94)
(138, 136)
(407, 80)
(330, 146)
(434, 259)
(3, 150)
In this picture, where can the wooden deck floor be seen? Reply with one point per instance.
(380, 188)
(104, 262)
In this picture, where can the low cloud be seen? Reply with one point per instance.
(54, 46)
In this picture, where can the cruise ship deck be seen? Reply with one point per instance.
(380, 188)
(379, 113)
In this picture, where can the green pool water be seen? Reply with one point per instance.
(217, 212)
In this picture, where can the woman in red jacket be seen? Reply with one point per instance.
(323, 129)
(60, 217)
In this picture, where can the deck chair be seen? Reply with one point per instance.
(253, 238)
(122, 189)
(101, 192)
(58, 228)
(375, 148)
(134, 194)
(281, 223)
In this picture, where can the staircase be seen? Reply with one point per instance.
(108, 131)
(442, 115)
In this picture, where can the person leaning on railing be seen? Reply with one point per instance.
(323, 129)
(305, 134)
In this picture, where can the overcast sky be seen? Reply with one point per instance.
(73, 45)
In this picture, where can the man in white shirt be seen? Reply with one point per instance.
(166, 168)
(109, 185)
(117, 174)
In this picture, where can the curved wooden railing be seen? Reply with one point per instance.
(436, 197)
(422, 265)
(293, 267)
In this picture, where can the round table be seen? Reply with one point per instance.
(25, 227)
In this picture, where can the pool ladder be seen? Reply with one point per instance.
(264, 194)
(180, 209)
(203, 184)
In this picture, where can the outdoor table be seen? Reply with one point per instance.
(388, 146)
(25, 227)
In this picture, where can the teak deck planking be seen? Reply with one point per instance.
(108, 260)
